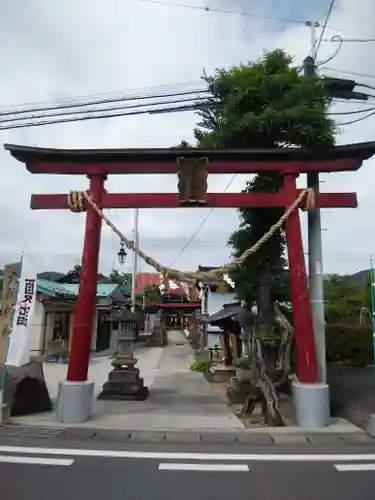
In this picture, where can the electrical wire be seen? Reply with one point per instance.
(336, 53)
(202, 223)
(353, 112)
(352, 40)
(354, 73)
(357, 119)
(102, 110)
(133, 93)
(330, 8)
(192, 107)
(102, 101)
(366, 85)
(223, 11)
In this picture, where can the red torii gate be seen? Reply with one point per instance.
(97, 164)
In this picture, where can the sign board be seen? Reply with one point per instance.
(8, 299)
(18, 352)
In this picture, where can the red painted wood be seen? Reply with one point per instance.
(186, 305)
(303, 324)
(170, 200)
(84, 316)
(214, 167)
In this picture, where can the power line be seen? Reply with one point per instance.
(353, 112)
(217, 10)
(357, 119)
(125, 97)
(354, 73)
(202, 223)
(332, 2)
(189, 98)
(351, 40)
(208, 9)
(176, 109)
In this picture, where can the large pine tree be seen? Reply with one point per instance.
(263, 104)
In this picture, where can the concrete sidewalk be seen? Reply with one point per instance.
(179, 398)
(182, 407)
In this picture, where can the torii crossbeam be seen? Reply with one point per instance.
(98, 164)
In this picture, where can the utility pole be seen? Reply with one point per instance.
(316, 282)
(135, 257)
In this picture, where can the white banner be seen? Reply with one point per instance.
(18, 353)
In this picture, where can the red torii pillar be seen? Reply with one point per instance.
(290, 162)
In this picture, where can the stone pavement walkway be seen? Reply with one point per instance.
(179, 398)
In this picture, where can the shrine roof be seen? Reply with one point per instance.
(362, 150)
(135, 159)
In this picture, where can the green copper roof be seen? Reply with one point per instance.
(53, 289)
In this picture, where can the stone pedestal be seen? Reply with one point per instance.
(240, 386)
(124, 385)
(124, 382)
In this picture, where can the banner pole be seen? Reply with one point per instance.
(3, 375)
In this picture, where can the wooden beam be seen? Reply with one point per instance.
(217, 200)
(214, 167)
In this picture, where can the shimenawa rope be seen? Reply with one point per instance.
(305, 200)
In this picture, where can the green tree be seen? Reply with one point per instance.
(120, 278)
(263, 104)
(152, 294)
(344, 299)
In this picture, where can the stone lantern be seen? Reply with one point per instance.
(124, 382)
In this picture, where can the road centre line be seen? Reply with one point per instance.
(222, 457)
(354, 467)
(204, 467)
(35, 460)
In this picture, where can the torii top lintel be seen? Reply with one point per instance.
(165, 161)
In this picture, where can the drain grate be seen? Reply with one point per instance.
(29, 431)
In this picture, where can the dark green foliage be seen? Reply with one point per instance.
(344, 299)
(263, 104)
(152, 294)
(349, 343)
(120, 278)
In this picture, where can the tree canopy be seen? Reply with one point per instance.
(120, 278)
(263, 104)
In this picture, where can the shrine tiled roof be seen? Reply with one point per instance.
(53, 289)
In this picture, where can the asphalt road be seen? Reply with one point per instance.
(42, 469)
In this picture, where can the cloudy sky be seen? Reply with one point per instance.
(69, 48)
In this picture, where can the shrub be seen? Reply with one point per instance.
(202, 366)
(350, 343)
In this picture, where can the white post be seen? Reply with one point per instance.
(135, 257)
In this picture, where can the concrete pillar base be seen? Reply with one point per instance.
(370, 428)
(4, 413)
(311, 404)
(74, 401)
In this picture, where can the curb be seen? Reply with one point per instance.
(212, 437)
(204, 436)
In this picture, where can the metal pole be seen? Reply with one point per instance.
(135, 257)
(372, 288)
(316, 283)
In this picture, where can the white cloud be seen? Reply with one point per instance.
(60, 49)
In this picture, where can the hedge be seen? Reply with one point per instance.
(349, 343)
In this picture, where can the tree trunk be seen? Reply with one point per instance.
(265, 389)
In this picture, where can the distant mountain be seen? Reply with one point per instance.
(360, 277)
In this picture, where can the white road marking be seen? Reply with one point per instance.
(354, 467)
(205, 467)
(35, 460)
(222, 457)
